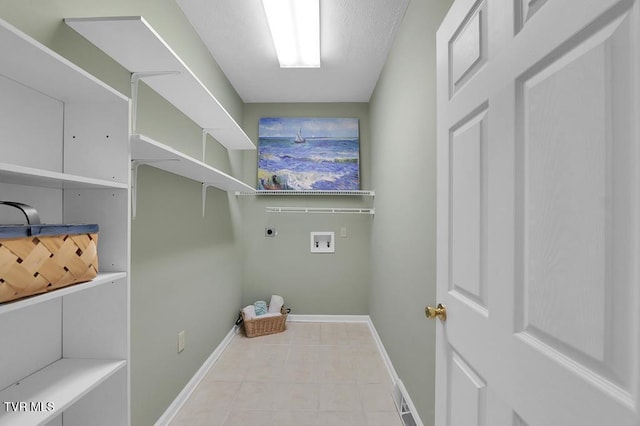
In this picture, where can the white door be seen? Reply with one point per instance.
(539, 213)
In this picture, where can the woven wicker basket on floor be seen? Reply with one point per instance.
(263, 326)
(39, 262)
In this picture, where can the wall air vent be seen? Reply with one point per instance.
(402, 404)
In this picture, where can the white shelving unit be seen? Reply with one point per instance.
(65, 150)
(135, 45)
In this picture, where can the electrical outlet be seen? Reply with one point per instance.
(181, 341)
(343, 232)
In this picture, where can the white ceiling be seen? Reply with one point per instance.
(355, 38)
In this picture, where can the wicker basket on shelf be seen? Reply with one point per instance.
(36, 258)
(262, 326)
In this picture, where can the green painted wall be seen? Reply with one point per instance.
(310, 283)
(186, 269)
(403, 237)
(192, 272)
(186, 275)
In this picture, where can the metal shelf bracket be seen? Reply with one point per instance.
(135, 78)
(134, 181)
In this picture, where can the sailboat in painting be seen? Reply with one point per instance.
(299, 138)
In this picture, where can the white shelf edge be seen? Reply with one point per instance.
(331, 210)
(147, 151)
(11, 173)
(61, 383)
(135, 45)
(103, 278)
(363, 193)
(63, 80)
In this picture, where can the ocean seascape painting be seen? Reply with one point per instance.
(298, 154)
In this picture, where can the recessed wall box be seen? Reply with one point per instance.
(322, 242)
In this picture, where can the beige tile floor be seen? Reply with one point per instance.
(312, 374)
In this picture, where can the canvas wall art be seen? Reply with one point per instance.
(299, 154)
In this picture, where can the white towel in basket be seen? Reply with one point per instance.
(276, 303)
(249, 312)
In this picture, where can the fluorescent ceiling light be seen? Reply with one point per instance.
(295, 29)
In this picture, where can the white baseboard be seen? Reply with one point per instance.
(186, 392)
(383, 352)
(327, 318)
(392, 372)
(182, 397)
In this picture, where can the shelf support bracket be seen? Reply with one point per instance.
(205, 132)
(135, 78)
(134, 181)
(134, 185)
(204, 195)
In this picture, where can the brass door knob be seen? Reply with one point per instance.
(440, 312)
